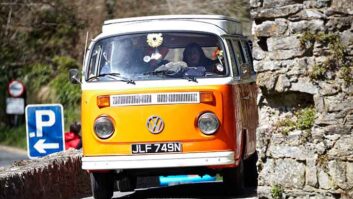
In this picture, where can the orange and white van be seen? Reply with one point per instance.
(166, 95)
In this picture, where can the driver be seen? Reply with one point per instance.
(194, 56)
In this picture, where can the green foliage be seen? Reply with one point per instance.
(318, 72)
(285, 125)
(306, 118)
(15, 136)
(64, 63)
(307, 37)
(67, 94)
(55, 32)
(277, 192)
(336, 60)
(346, 73)
(37, 76)
(72, 114)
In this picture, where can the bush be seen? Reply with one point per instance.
(15, 136)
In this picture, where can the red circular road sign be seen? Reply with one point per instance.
(16, 88)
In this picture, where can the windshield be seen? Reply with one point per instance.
(152, 56)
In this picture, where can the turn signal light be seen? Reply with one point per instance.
(103, 101)
(207, 97)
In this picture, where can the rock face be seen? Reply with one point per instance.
(314, 161)
(54, 176)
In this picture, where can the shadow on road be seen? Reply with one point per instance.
(200, 190)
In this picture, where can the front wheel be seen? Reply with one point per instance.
(102, 185)
(233, 178)
(127, 183)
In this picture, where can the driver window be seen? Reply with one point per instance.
(94, 60)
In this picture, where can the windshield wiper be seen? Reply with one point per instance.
(190, 78)
(160, 72)
(172, 74)
(115, 76)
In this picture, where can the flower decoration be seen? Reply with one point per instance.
(217, 53)
(154, 39)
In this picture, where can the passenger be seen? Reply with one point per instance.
(73, 138)
(194, 56)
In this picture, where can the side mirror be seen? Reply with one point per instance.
(74, 76)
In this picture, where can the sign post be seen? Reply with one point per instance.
(45, 129)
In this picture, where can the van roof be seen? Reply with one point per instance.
(227, 24)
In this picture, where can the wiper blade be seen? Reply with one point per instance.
(190, 78)
(160, 72)
(115, 76)
(172, 74)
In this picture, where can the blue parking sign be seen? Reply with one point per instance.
(45, 129)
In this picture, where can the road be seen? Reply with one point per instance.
(199, 190)
(8, 155)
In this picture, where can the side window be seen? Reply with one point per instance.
(241, 57)
(238, 52)
(232, 59)
(247, 52)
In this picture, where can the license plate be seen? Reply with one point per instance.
(170, 147)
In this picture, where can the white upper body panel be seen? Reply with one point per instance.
(215, 24)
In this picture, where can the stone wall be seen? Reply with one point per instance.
(54, 176)
(303, 52)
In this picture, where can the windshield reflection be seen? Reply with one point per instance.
(153, 56)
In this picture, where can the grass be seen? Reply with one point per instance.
(14, 136)
(277, 192)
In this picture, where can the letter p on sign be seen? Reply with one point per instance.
(40, 123)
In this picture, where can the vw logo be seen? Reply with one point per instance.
(155, 124)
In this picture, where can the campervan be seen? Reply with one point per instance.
(167, 95)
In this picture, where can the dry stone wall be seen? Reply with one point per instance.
(57, 176)
(303, 55)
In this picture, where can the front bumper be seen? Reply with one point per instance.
(158, 161)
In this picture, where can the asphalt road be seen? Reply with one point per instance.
(9, 155)
(199, 190)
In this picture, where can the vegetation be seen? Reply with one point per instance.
(304, 119)
(285, 125)
(336, 62)
(37, 46)
(277, 192)
(14, 136)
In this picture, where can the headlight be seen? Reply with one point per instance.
(208, 123)
(103, 127)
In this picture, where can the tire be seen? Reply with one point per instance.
(250, 171)
(233, 178)
(127, 183)
(102, 185)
